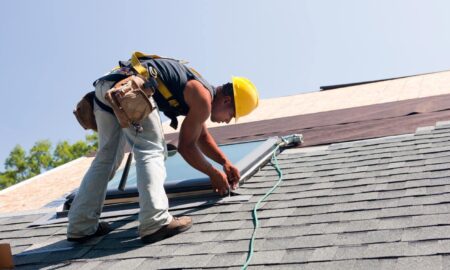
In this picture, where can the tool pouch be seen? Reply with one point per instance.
(84, 112)
(129, 99)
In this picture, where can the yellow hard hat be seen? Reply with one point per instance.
(245, 96)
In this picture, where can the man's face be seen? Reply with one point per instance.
(222, 110)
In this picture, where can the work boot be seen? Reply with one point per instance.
(176, 226)
(102, 229)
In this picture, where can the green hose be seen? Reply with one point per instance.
(255, 209)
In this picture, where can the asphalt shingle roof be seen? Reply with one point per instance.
(373, 204)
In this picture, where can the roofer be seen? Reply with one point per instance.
(177, 90)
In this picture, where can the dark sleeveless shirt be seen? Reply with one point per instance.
(174, 75)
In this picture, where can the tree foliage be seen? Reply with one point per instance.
(20, 165)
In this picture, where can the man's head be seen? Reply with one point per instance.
(235, 99)
(223, 105)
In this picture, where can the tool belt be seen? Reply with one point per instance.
(129, 99)
(84, 112)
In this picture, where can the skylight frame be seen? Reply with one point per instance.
(195, 187)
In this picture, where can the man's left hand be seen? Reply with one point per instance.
(232, 173)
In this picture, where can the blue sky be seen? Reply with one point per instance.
(52, 51)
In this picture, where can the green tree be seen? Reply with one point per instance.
(39, 158)
(62, 154)
(7, 179)
(17, 163)
(20, 166)
(65, 152)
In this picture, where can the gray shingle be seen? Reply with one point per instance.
(320, 228)
(396, 249)
(361, 225)
(373, 264)
(323, 254)
(351, 252)
(127, 264)
(220, 226)
(429, 220)
(297, 255)
(350, 239)
(401, 211)
(92, 265)
(392, 193)
(274, 222)
(189, 261)
(158, 263)
(436, 209)
(437, 160)
(242, 234)
(359, 215)
(114, 243)
(425, 262)
(395, 223)
(313, 241)
(272, 244)
(192, 237)
(275, 213)
(289, 231)
(226, 260)
(350, 206)
(230, 247)
(442, 125)
(191, 248)
(444, 246)
(302, 202)
(105, 265)
(380, 236)
(19, 249)
(426, 233)
(423, 248)
(320, 218)
(267, 257)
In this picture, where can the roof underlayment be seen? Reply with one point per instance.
(412, 87)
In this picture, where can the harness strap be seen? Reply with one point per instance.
(142, 70)
(103, 105)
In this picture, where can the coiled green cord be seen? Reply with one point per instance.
(256, 208)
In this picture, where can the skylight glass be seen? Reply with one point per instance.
(179, 170)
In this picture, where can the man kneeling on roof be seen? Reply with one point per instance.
(178, 90)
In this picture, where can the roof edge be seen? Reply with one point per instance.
(337, 86)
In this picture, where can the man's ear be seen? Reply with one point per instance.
(226, 100)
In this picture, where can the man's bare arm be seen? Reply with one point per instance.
(209, 147)
(199, 100)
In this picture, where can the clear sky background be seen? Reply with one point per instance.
(52, 51)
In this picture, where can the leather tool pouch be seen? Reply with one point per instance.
(84, 112)
(129, 99)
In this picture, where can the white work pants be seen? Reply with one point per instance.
(149, 151)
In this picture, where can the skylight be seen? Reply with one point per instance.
(178, 170)
(184, 181)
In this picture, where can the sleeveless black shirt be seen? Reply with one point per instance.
(174, 75)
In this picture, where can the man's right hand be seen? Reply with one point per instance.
(219, 181)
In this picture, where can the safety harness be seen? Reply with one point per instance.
(151, 74)
(84, 109)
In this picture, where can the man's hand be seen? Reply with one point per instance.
(232, 173)
(219, 181)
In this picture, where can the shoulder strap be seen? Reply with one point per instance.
(162, 88)
(142, 70)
